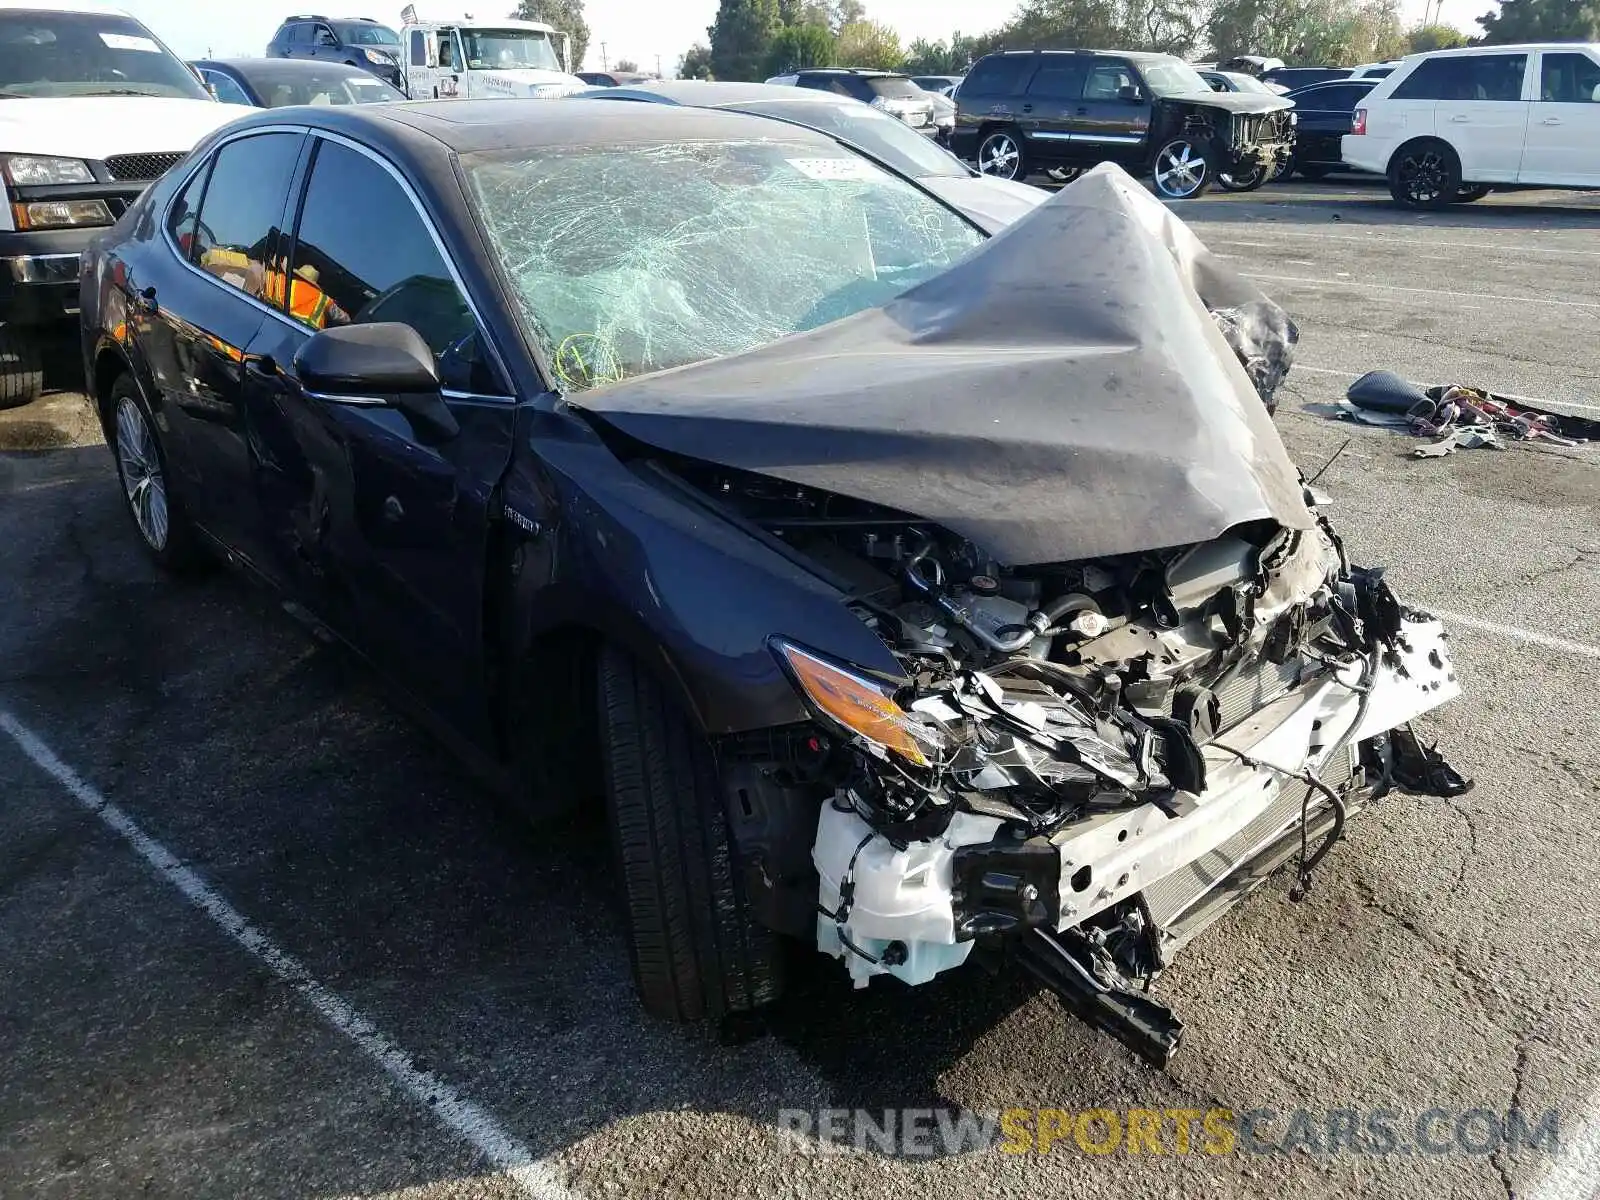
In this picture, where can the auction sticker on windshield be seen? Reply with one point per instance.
(856, 170)
(123, 41)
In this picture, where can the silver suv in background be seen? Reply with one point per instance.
(885, 90)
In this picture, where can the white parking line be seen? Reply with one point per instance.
(1386, 241)
(1582, 649)
(533, 1176)
(1588, 305)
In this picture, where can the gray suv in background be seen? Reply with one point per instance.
(354, 41)
(884, 90)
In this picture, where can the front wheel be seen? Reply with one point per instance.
(1247, 180)
(1425, 175)
(21, 367)
(1000, 155)
(696, 948)
(1181, 171)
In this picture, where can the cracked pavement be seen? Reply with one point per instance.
(1442, 960)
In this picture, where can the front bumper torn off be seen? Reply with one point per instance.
(913, 910)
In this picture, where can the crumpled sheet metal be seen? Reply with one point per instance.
(1062, 393)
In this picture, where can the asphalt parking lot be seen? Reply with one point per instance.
(301, 954)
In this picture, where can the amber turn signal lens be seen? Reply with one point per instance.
(859, 704)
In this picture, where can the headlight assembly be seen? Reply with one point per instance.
(35, 170)
(860, 705)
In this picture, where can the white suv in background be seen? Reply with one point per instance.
(1447, 126)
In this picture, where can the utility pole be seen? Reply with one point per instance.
(658, 66)
(604, 64)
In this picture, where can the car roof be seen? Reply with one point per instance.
(1135, 55)
(478, 126)
(1470, 51)
(282, 68)
(94, 7)
(709, 94)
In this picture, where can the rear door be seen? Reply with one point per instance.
(1050, 110)
(205, 318)
(1563, 144)
(1484, 114)
(1114, 120)
(388, 527)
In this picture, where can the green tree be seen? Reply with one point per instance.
(1542, 21)
(695, 63)
(869, 44)
(941, 58)
(741, 37)
(1424, 38)
(1331, 32)
(846, 12)
(565, 15)
(798, 46)
(626, 64)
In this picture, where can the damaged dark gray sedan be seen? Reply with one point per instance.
(916, 594)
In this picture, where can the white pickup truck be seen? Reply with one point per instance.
(92, 108)
(471, 59)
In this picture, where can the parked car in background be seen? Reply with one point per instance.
(1238, 81)
(1024, 111)
(280, 82)
(353, 41)
(637, 448)
(95, 107)
(1449, 125)
(612, 78)
(1299, 77)
(1250, 64)
(991, 203)
(1381, 70)
(893, 93)
(944, 117)
(484, 58)
(1323, 113)
(940, 85)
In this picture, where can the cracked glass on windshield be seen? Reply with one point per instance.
(631, 259)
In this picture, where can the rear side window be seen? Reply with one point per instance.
(1568, 79)
(228, 91)
(237, 231)
(376, 261)
(300, 34)
(1058, 78)
(185, 212)
(1468, 77)
(998, 75)
(892, 87)
(1341, 98)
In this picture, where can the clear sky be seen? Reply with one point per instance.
(635, 29)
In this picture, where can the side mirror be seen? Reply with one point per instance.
(381, 363)
(1130, 94)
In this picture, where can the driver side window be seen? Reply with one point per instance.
(377, 261)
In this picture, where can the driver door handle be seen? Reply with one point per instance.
(1083, 112)
(1460, 118)
(1027, 108)
(1551, 121)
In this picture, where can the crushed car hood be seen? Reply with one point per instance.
(1234, 102)
(1061, 394)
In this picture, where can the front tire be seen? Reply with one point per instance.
(1181, 171)
(1246, 181)
(1000, 155)
(164, 527)
(21, 367)
(696, 948)
(1425, 175)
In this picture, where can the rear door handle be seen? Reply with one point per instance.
(1083, 112)
(1551, 121)
(1460, 119)
(1027, 108)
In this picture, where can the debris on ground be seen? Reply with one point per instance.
(1458, 417)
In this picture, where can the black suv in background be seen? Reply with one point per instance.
(354, 41)
(1023, 111)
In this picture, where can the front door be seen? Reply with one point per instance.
(388, 526)
(1115, 114)
(227, 225)
(1563, 145)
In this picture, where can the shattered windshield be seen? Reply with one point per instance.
(631, 259)
(509, 50)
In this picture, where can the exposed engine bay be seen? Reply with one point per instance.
(1087, 752)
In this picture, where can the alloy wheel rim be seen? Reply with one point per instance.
(1424, 176)
(1179, 170)
(999, 156)
(142, 479)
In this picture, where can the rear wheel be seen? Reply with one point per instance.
(1000, 155)
(1247, 180)
(21, 367)
(1469, 192)
(164, 526)
(1425, 174)
(1181, 171)
(696, 949)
